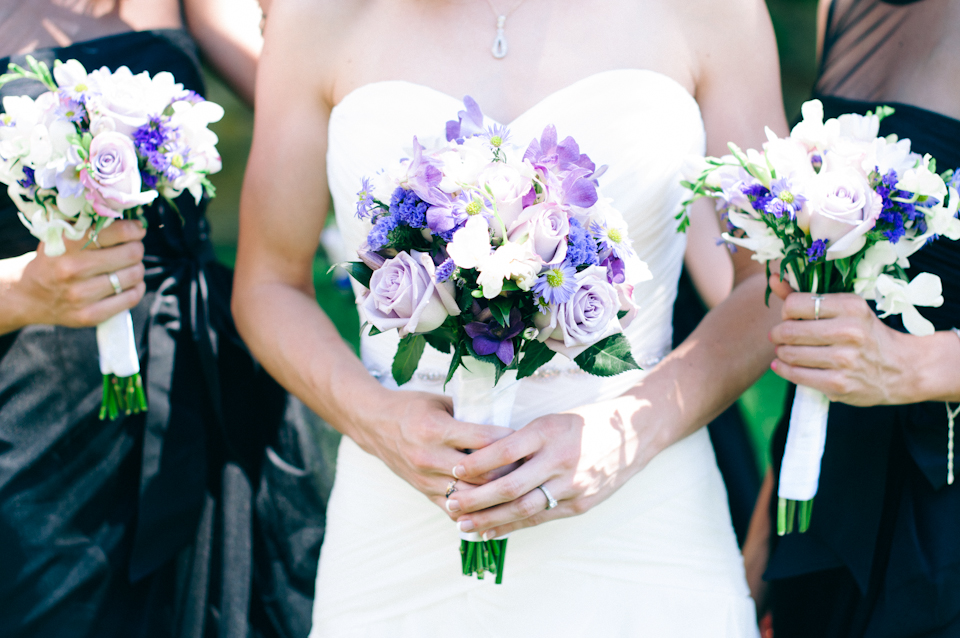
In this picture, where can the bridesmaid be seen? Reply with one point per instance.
(140, 526)
(881, 557)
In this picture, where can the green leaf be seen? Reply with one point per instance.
(454, 363)
(439, 342)
(608, 357)
(358, 270)
(622, 314)
(407, 358)
(500, 307)
(535, 354)
(374, 331)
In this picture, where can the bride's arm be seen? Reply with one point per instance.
(585, 454)
(283, 208)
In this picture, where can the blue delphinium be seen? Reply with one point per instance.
(556, 285)
(581, 247)
(817, 250)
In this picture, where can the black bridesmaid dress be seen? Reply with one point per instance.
(146, 525)
(882, 555)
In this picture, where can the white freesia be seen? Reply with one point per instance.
(760, 238)
(50, 227)
(812, 131)
(471, 244)
(886, 156)
(897, 297)
(513, 261)
(193, 120)
(922, 181)
(942, 220)
(875, 260)
(864, 128)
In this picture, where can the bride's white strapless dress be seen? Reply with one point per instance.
(659, 557)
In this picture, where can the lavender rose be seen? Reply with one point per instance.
(841, 209)
(404, 294)
(546, 226)
(112, 178)
(589, 316)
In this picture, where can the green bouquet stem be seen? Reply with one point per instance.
(479, 558)
(787, 510)
(122, 395)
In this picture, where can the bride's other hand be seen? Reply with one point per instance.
(854, 358)
(74, 289)
(581, 457)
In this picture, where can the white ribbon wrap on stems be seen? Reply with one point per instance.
(800, 469)
(477, 400)
(118, 348)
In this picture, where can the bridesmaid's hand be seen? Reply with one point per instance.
(415, 434)
(581, 457)
(74, 289)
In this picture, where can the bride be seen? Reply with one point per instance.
(640, 542)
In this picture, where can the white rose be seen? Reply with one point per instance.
(841, 208)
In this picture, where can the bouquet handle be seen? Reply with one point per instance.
(120, 366)
(800, 469)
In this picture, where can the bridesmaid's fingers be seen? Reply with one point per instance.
(100, 287)
(91, 263)
(119, 232)
(839, 330)
(833, 383)
(100, 311)
(824, 358)
(803, 305)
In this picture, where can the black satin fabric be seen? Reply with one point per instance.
(143, 526)
(881, 557)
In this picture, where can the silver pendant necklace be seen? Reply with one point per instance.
(499, 48)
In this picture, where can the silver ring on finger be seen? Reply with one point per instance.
(95, 241)
(115, 282)
(817, 300)
(551, 502)
(451, 487)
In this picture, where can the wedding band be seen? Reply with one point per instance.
(96, 243)
(451, 488)
(115, 282)
(551, 502)
(817, 300)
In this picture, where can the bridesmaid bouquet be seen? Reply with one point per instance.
(842, 210)
(502, 258)
(96, 147)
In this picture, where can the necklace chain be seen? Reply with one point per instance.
(499, 49)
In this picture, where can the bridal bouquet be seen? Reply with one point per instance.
(842, 210)
(501, 257)
(96, 147)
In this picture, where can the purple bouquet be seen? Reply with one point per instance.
(501, 257)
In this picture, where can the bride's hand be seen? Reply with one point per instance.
(581, 457)
(415, 434)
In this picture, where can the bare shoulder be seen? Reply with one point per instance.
(307, 37)
(732, 29)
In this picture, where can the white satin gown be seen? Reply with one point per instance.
(659, 557)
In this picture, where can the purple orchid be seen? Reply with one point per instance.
(469, 122)
(491, 338)
(570, 176)
(423, 178)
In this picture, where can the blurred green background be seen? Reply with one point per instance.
(794, 23)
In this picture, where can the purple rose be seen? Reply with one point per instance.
(589, 316)
(546, 226)
(112, 176)
(404, 294)
(841, 209)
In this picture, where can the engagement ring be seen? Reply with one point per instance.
(451, 487)
(551, 502)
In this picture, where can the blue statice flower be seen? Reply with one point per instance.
(408, 208)
(378, 236)
(445, 270)
(557, 284)
(160, 144)
(582, 248)
(817, 250)
(366, 204)
(758, 195)
(892, 212)
(29, 178)
(784, 200)
(149, 179)
(954, 182)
